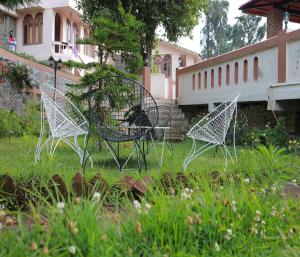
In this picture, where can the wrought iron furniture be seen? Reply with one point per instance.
(158, 134)
(123, 111)
(213, 129)
(66, 123)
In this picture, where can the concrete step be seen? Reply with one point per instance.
(179, 124)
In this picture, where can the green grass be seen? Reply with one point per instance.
(17, 158)
(228, 217)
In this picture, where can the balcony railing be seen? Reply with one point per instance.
(250, 71)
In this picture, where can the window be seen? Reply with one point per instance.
(236, 73)
(227, 74)
(75, 36)
(205, 80)
(220, 77)
(27, 29)
(245, 73)
(86, 47)
(199, 80)
(38, 28)
(194, 82)
(69, 32)
(212, 78)
(167, 67)
(255, 68)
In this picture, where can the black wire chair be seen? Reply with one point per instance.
(117, 107)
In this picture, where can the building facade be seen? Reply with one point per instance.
(167, 57)
(49, 28)
(267, 72)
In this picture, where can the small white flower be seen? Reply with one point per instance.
(61, 206)
(228, 234)
(137, 205)
(188, 191)
(1, 207)
(217, 247)
(185, 195)
(247, 180)
(96, 197)
(273, 213)
(258, 213)
(263, 222)
(294, 181)
(148, 206)
(72, 249)
(273, 188)
(233, 208)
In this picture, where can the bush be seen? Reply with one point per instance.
(276, 136)
(32, 118)
(12, 124)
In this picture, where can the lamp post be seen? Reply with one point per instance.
(286, 17)
(56, 65)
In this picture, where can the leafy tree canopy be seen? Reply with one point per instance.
(219, 37)
(113, 34)
(177, 17)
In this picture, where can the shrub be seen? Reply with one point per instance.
(10, 124)
(276, 135)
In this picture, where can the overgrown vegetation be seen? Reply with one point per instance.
(12, 124)
(207, 212)
(16, 73)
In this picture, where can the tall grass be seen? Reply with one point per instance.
(240, 213)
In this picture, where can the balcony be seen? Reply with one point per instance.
(65, 52)
(266, 71)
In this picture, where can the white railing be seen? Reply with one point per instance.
(250, 71)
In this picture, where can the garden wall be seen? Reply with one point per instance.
(13, 98)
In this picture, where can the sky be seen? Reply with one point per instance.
(194, 44)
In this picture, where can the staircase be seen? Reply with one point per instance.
(179, 124)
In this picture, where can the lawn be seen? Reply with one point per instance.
(237, 211)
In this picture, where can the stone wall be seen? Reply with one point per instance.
(13, 98)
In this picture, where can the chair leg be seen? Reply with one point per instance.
(39, 144)
(194, 153)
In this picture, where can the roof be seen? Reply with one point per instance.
(179, 48)
(262, 7)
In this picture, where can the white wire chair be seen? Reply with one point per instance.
(65, 122)
(212, 129)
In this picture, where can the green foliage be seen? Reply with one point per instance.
(246, 31)
(214, 32)
(27, 56)
(178, 18)
(113, 34)
(15, 72)
(18, 75)
(276, 135)
(219, 37)
(12, 124)
(31, 121)
(270, 156)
